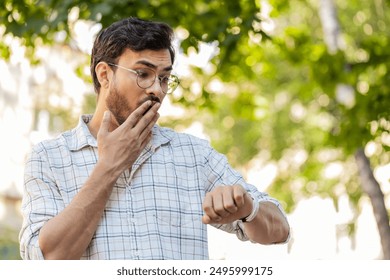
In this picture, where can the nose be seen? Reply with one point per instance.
(156, 89)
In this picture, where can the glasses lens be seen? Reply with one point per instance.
(146, 78)
(172, 84)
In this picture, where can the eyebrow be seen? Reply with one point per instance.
(151, 65)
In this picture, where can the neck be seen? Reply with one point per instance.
(94, 124)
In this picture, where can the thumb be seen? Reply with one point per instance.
(105, 124)
(206, 219)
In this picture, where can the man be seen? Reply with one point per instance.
(120, 187)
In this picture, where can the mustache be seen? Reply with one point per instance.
(152, 98)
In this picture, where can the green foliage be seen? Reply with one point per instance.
(279, 87)
(89, 103)
(222, 21)
(9, 245)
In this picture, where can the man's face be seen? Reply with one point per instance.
(125, 95)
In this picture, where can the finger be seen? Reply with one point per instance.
(145, 125)
(239, 195)
(147, 118)
(228, 201)
(208, 208)
(219, 203)
(145, 133)
(206, 219)
(137, 114)
(105, 124)
(146, 140)
(146, 121)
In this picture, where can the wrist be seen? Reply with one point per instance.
(107, 172)
(255, 210)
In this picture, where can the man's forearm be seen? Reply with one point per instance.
(67, 235)
(269, 226)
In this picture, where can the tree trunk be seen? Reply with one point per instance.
(331, 28)
(372, 188)
(330, 25)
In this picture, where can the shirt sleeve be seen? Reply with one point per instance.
(220, 173)
(41, 201)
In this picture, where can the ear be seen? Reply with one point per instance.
(103, 74)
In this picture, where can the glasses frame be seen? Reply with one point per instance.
(171, 77)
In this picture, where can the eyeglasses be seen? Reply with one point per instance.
(146, 77)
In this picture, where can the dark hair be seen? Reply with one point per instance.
(131, 33)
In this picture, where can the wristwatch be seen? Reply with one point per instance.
(255, 210)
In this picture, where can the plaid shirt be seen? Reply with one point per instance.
(154, 211)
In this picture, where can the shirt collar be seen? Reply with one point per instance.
(81, 137)
(161, 136)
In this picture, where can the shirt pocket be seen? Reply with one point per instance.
(181, 228)
(177, 220)
(183, 236)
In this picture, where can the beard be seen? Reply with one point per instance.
(119, 107)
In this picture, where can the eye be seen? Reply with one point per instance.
(145, 74)
(164, 79)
